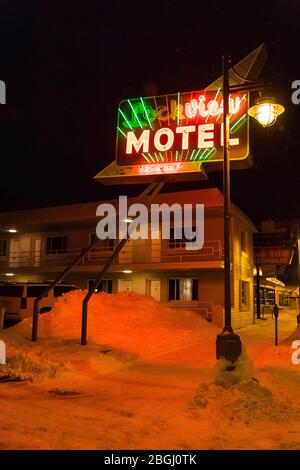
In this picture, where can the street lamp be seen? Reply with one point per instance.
(266, 110)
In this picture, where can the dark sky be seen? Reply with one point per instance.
(67, 64)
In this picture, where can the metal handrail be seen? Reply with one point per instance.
(212, 250)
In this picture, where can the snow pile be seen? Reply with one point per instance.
(122, 328)
(245, 402)
(228, 374)
(129, 322)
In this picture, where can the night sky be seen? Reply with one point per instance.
(67, 65)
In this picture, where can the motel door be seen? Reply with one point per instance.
(124, 285)
(15, 253)
(37, 252)
(155, 289)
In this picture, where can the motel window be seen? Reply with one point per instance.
(183, 289)
(56, 244)
(35, 291)
(3, 248)
(105, 285)
(102, 245)
(11, 291)
(270, 296)
(60, 290)
(243, 241)
(244, 295)
(262, 295)
(179, 242)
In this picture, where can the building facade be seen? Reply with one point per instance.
(36, 245)
(276, 257)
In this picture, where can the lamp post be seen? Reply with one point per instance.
(265, 111)
(298, 247)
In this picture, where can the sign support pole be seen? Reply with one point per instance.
(154, 189)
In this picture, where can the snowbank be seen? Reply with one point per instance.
(122, 328)
(127, 321)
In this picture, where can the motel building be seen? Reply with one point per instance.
(275, 254)
(36, 245)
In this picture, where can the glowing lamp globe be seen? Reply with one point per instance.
(266, 111)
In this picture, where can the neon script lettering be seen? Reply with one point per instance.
(199, 108)
(144, 115)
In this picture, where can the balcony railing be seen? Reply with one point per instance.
(141, 253)
(213, 250)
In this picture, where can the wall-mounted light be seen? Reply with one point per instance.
(9, 274)
(260, 271)
(127, 271)
(266, 111)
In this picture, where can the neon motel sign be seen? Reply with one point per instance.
(174, 133)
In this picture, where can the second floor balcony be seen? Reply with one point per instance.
(134, 252)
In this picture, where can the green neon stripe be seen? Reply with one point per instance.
(196, 154)
(240, 121)
(211, 150)
(135, 114)
(151, 157)
(146, 114)
(216, 96)
(191, 157)
(129, 125)
(146, 158)
(120, 130)
(162, 158)
(156, 157)
(201, 156)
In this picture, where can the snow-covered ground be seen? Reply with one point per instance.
(146, 380)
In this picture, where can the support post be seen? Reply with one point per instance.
(60, 277)
(257, 292)
(276, 314)
(156, 187)
(228, 344)
(298, 246)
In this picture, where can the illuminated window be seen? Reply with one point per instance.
(270, 296)
(56, 244)
(244, 295)
(3, 248)
(105, 285)
(243, 241)
(183, 289)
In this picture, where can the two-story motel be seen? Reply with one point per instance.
(37, 244)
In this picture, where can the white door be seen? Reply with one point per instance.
(37, 252)
(155, 289)
(14, 253)
(124, 285)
